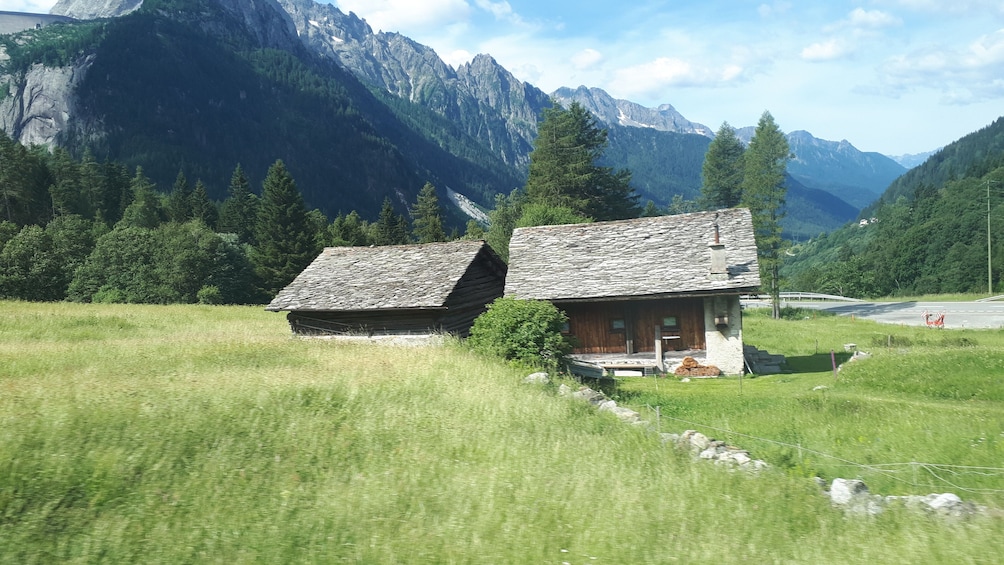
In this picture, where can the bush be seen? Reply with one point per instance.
(527, 331)
(210, 295)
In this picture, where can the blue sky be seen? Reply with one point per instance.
(893, 76)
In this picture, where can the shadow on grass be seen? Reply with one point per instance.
(818, 363)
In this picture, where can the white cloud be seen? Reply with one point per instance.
(664, 72)
(825, 51)
(30, 6)
(774, 8)
(872, 19)
(502, 11)
(395, 15)
(586, 59)
(963, 76)
(457, 58)
(953, 7)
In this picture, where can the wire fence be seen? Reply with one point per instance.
(909, 473)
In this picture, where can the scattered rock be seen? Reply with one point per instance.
(537, 379)
(853, 496)
(820, 387)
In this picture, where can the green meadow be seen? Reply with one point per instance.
(174, 434)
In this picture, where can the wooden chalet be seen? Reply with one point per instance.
(668, 283)
(393, 290)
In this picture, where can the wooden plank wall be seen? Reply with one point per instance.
(589, 323)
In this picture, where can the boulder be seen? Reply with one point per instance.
(540, 378)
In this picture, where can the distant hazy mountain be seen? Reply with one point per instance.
(911, 160)
(837, 167)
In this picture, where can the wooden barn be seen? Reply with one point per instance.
(393, 290)
(669, 283)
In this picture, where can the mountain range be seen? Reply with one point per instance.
(357, 115)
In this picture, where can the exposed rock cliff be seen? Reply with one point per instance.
(487, 101)
(93, 9)
(40, 103)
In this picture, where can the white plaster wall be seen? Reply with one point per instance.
(724, 347)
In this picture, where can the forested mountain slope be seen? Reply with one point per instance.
(202, 86)
(930, 233)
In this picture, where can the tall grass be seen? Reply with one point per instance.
(168, 434)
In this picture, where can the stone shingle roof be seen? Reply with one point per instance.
(632, 258)
(381, 278)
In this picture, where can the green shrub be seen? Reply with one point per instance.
(527, 331)
(210, 294)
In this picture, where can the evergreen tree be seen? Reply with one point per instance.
(24, 184)
(91, 182)
(651, 210)
(428, 218)
(390, 228)
(116, 192)
(722, 172)
(348, 231)
(537, 214)
(564, 173)
(67, 198)
(285, 239)
(239, 210)
(202, 207)
(502, 221)
(474, 230)
(145, 210)
(763, 192)
(179, 202)
(680, 205)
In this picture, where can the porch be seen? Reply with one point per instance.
(599, 365)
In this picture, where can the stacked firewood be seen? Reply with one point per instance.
(691, 368)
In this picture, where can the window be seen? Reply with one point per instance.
(669, 323)
(617, 325)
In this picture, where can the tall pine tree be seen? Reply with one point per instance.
(722, 172)
(202, 207)
(427, 216)
(391, 228)
(179, 202)
(286, 242)
(564, 171)
(763, 192)
(240, 209)
(146, 209)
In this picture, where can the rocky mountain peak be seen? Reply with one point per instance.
(613, 111)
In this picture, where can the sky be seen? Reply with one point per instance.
(892, 76)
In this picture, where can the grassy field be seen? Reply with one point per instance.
(923, 413)
(167, 434)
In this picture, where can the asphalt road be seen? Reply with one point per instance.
(957, 314)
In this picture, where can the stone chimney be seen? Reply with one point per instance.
(719, 268)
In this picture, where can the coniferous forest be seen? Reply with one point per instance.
(92, 231)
